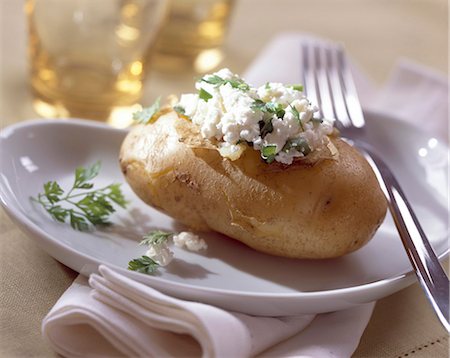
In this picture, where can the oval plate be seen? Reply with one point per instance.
(228, 274)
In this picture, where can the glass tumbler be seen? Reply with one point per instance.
(193, 35)
(89, 58)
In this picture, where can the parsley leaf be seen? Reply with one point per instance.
(275, 108)
(156, 237)
(83, 207)
(268, 153)
(146, 114)
(82, 175)
(265, 126)
(269, 107)
(299, 144)
(259, 105)
(204, 95)
(297, 87)
(144, 264)
(179, 109)
(219, 81)
(297, 117)
(53, 191)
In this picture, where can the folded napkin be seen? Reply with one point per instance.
(117, 316)
(112, 315)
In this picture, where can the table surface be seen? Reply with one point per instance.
(376, 34)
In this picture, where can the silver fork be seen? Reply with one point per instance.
(329, 83)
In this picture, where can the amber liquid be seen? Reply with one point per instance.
(193, 35)
(88, 58)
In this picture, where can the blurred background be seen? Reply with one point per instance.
(185, 38)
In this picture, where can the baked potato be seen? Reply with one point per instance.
(311, 209)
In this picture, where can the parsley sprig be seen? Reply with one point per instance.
(145, 115)
(146, 264)
(270, 108)
(219, 81)
(143, 264)
(156, 237)
(82, 205)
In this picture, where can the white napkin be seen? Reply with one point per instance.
(116, 316)
(417, 94)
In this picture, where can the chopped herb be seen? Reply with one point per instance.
(275, 108)
(204, 95)
(258, 105)
(146, 114)
(269, 107)
(297, 87)
(297, 117)
(268, 153)
(267, 86)
(179, 109)
(219, 81)
(94, 207)
(144, 264)
(265, 126)
(156, 237)
(299, 144)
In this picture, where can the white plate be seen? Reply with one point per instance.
(228, 274)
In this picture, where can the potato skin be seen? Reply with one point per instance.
(315, 211)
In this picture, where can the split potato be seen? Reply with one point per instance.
(306, 210)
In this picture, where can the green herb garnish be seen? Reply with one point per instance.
(258, 105)
(156, 237)
(144, 264)
(204, 95)
(146, 114)
(297, 87)
(179, 109)
(265, 126)
(219, 81)
(269, 107)
(268, 153)
(83, 206)
(299, 144)
(297, 117)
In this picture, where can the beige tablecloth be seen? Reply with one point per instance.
(376, 33)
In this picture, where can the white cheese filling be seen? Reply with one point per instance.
(234, 113)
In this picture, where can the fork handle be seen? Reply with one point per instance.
(426, 265)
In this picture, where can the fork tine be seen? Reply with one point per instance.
(329, 83)
(342, 115)
(323, 83)
(350, 93)
(309, 75)
(319, 86)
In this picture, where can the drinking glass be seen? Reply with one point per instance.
(89, 58)
(193, 35)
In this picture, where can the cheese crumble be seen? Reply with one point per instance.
(275, 119)
(161, 252)
(189, 240)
